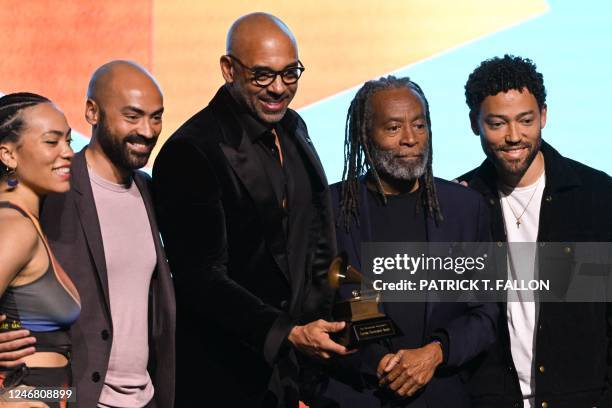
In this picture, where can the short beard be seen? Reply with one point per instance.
(513, 169)
(117, 150)
(386, 163)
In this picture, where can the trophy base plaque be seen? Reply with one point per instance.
(363, 331)
(364, 322)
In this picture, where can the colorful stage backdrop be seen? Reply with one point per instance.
(52, 47)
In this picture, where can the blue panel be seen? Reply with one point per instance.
(571, 47)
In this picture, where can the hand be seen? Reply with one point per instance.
(389, 360)
(11, 346)
(463, 183)
(313, 339)
(410, 369)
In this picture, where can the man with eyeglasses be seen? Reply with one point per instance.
(245, 214)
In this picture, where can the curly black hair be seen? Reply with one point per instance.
(357, 157)
(500, 75)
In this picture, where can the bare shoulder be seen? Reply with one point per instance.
(18, 242)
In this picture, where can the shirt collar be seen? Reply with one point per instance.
(253, 127)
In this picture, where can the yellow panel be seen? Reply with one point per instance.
(341, 43)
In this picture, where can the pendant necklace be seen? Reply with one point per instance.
(518, 218)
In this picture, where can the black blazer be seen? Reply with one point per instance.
(573, 340)
(466, 329)
(237, 298)
(71, 223)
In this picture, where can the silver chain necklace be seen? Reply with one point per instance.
(518, 219)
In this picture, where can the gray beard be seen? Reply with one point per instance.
(386, 163)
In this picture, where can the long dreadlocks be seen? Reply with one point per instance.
(357, 157)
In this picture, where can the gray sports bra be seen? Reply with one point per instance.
(45, 305)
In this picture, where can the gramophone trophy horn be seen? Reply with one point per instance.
(341, 273)
(364, 321)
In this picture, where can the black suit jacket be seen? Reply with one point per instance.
(71, 223)
(237, 298)
(465, 329)
(573, 340)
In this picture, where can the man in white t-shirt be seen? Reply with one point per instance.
(547, 354)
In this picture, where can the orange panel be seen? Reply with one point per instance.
(52, 47)
(341, 43)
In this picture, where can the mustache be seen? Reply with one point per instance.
(506, 148)
(404, 156)
(274, 97)
(140, 139)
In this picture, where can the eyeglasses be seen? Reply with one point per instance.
(264, 77)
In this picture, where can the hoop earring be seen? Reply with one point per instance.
(12, 180)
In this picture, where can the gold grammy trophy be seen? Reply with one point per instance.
(364, 321)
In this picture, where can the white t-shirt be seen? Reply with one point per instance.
(522, 203)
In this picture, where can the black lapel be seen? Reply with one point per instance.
(245, 163)
(305, 145)
(559, 177)
(243, 159)
(88, 217)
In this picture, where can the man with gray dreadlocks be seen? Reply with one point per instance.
(389, 194)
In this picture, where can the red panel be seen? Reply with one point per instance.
(53, 47)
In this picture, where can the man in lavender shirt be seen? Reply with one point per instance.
(104, 234)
